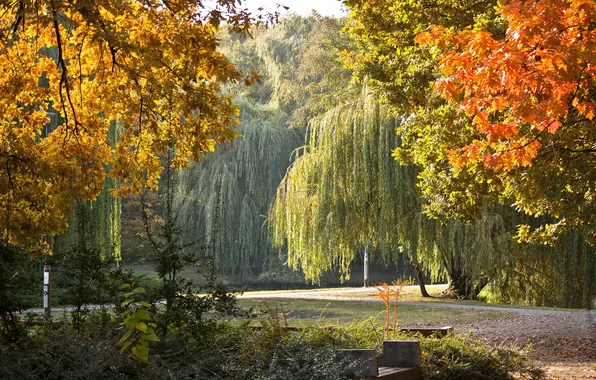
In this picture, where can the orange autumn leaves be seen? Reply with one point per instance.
(73, 72)
(535, 80)
(389, 294)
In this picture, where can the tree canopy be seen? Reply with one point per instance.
(337, 197)
(531, 97)
(152, 67)
(497, 103)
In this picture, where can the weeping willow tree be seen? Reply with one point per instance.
(223, 199)
(95, 224)
(346, 190)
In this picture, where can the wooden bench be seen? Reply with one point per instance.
(400, 361)
(426, 332)
(396, 373)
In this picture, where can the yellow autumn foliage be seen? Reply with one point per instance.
(152, 67)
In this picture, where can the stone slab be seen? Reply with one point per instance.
(366, 359)
(401, 353)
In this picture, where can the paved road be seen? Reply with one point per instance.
(343, 294)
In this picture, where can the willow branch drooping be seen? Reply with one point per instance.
(346, 190)
(225, 198)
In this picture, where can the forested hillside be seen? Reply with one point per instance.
(225, 198)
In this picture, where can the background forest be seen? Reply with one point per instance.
(313, 180)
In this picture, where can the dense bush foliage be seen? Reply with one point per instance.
(15, 288)
(456, 357)
(226, 351)
(230, 349)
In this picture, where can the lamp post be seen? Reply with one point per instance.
(47, 307)
(366, 265)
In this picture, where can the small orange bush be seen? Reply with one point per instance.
(389, 294)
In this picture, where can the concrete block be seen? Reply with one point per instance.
(401, 353)
(366, 359)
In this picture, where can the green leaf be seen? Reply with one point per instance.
(141, 326)
(141, 352)
(138, 290)
(130, 322)
(142, 314)
(126, 345)
(126, 302)
(125, 336)
(151, 337)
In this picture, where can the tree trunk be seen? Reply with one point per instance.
(463, 287)
(420, 279)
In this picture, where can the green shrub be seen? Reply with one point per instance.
(17, 279)
(461, 357)
(448, 358)
(82, 276)
(62, 352)
(230, 349)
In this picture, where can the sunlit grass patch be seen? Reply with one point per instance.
(301, 311)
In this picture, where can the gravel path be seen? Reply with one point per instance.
(564, 343)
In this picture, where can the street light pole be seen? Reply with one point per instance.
(366, 265)
(47, 306)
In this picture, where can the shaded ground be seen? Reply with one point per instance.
(563, 342)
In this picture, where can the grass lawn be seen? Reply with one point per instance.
(408, 293)
(148, 271)
(299, 312)
(412, 294)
